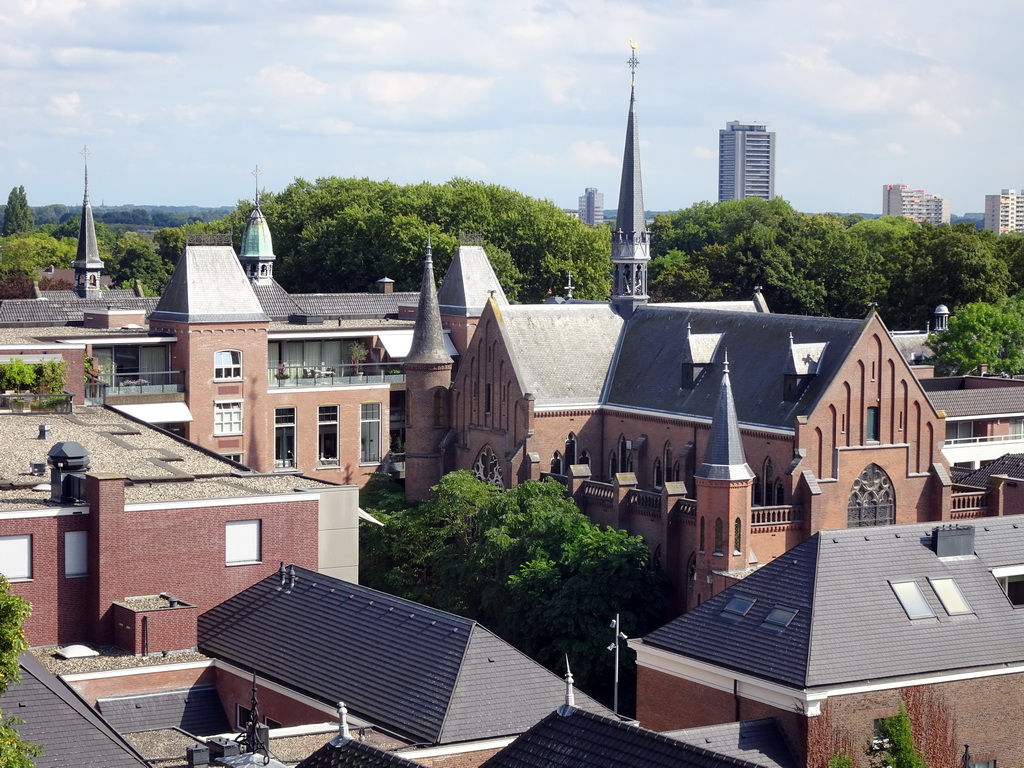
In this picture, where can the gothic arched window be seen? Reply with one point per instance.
(737, 530)
(438, 408)
(719, 536)
(585, 458)
(780, 496)
(702, 534)
(659, 475)
(613, 466)
(556, 464)
(488, 468)
(570, 449)
(872, 501)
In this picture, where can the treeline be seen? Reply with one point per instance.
(829, 265)
(345, 234)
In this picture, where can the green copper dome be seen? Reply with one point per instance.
(256, 240)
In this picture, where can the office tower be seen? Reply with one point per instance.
(915, 204)
(1005, 212)
(592, 207)
(746, 161)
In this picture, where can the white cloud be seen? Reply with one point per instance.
(703, 153)
(590, 154)
(289, 81)
(64, 104)
(895, 149)
(134, 62)
(471, 166)
(526, 158)
(419, 95)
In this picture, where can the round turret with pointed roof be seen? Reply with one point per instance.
(257, 248)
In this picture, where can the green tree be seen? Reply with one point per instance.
(982, 334)
(17, 215)
(14, 609)
(894, 746)
(526, 563)
(135, 258)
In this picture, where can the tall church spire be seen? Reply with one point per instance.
(87, 263)
(630, 240)
(428, 336)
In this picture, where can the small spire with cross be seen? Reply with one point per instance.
(569, 286)
(256, 174)
(85, 157)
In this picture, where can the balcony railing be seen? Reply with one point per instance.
(333, 375)
(970, 501)
(29, 402)
(949, 442)
(783, 514)
(105, 385)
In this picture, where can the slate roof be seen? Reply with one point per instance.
(64, 307)
(196, 710)
(352, 753)
(647, 372)
(427, 346)
(759, 742)
(573, 738)
(1010, 464)
(353, 305)
(849, 625)
(209, 286)
(468, 283)
(723, 457)
(562, 352)
(630, 217)
(419, 672)
(975, 396)
(275, 300)
(71, 733)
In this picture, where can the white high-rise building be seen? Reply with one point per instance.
(915, 204)
(746, 161)
(591, 209)
(1005, 212)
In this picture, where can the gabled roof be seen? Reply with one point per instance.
(275, 300)
(352, 753)
(64, 307)
(209, 286)
(573, 738)
(849, 625)
(419, 672)
(647, 371)
(760, 742)
(70, 732)
(964, 396)
(562, 352)
(469, 283)
(1010, 464)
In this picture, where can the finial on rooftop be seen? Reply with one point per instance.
(282, 575)
(343, 721)
(292, 578)
(85, 156)
(790, 339)
(725, 363)
(569, 286)
(252, 737)
(633, 45)
(688, 330)
(256, 174)
(570, 699)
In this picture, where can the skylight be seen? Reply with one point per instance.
(951, 597)
(912, 599)
(780, 616)
(738, 606)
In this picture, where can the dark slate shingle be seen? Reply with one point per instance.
(351, 753)
(196, 710)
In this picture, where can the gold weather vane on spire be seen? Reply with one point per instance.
(633, 44)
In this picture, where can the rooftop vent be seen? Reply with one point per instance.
(69, 456)
(37, 468)
(953, 540)
(44, 432)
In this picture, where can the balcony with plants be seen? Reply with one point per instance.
(29, 387)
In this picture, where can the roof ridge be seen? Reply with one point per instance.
(458, 678)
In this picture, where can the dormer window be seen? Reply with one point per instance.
(691, 372)
(1011, 580)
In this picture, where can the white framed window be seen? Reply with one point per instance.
(227, 418)
(242, 542)
(327, 436)
(16, 557)
(76, 553)
(284, 438)
(369, 433)
(227, 364)
(237, 457)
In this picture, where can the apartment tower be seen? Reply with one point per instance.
(746, 161)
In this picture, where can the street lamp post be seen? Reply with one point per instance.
(615, 647)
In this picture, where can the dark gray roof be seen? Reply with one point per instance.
(88, 252)
(562, 352)
(65, 307)
(70, 732)
(630, 217)
(197, 710)
(209, 286)
(849, 625)
(572, 738)
(427, 346)
(975, 395)
(1010, 464)
(469, 283)
(275, 300)
(760, 742)
(353, 305)
(352, 753)
(723, 457)
(422, 673)
(647, 371)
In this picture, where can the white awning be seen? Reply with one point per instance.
(398, 343)
(157, 413)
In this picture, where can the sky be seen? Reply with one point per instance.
(178, 102)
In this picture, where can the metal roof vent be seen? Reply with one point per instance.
(37, 468)
(953, 540)
(69, 456)
(44, 432)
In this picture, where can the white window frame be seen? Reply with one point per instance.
(366, 456)
(227, 417)
(76, 554)
(243, 542)
(16, 557)
(227, 365)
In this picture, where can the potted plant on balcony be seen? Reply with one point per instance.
(357, 353)
(18, 375)
(282, 372)
(53, 377)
